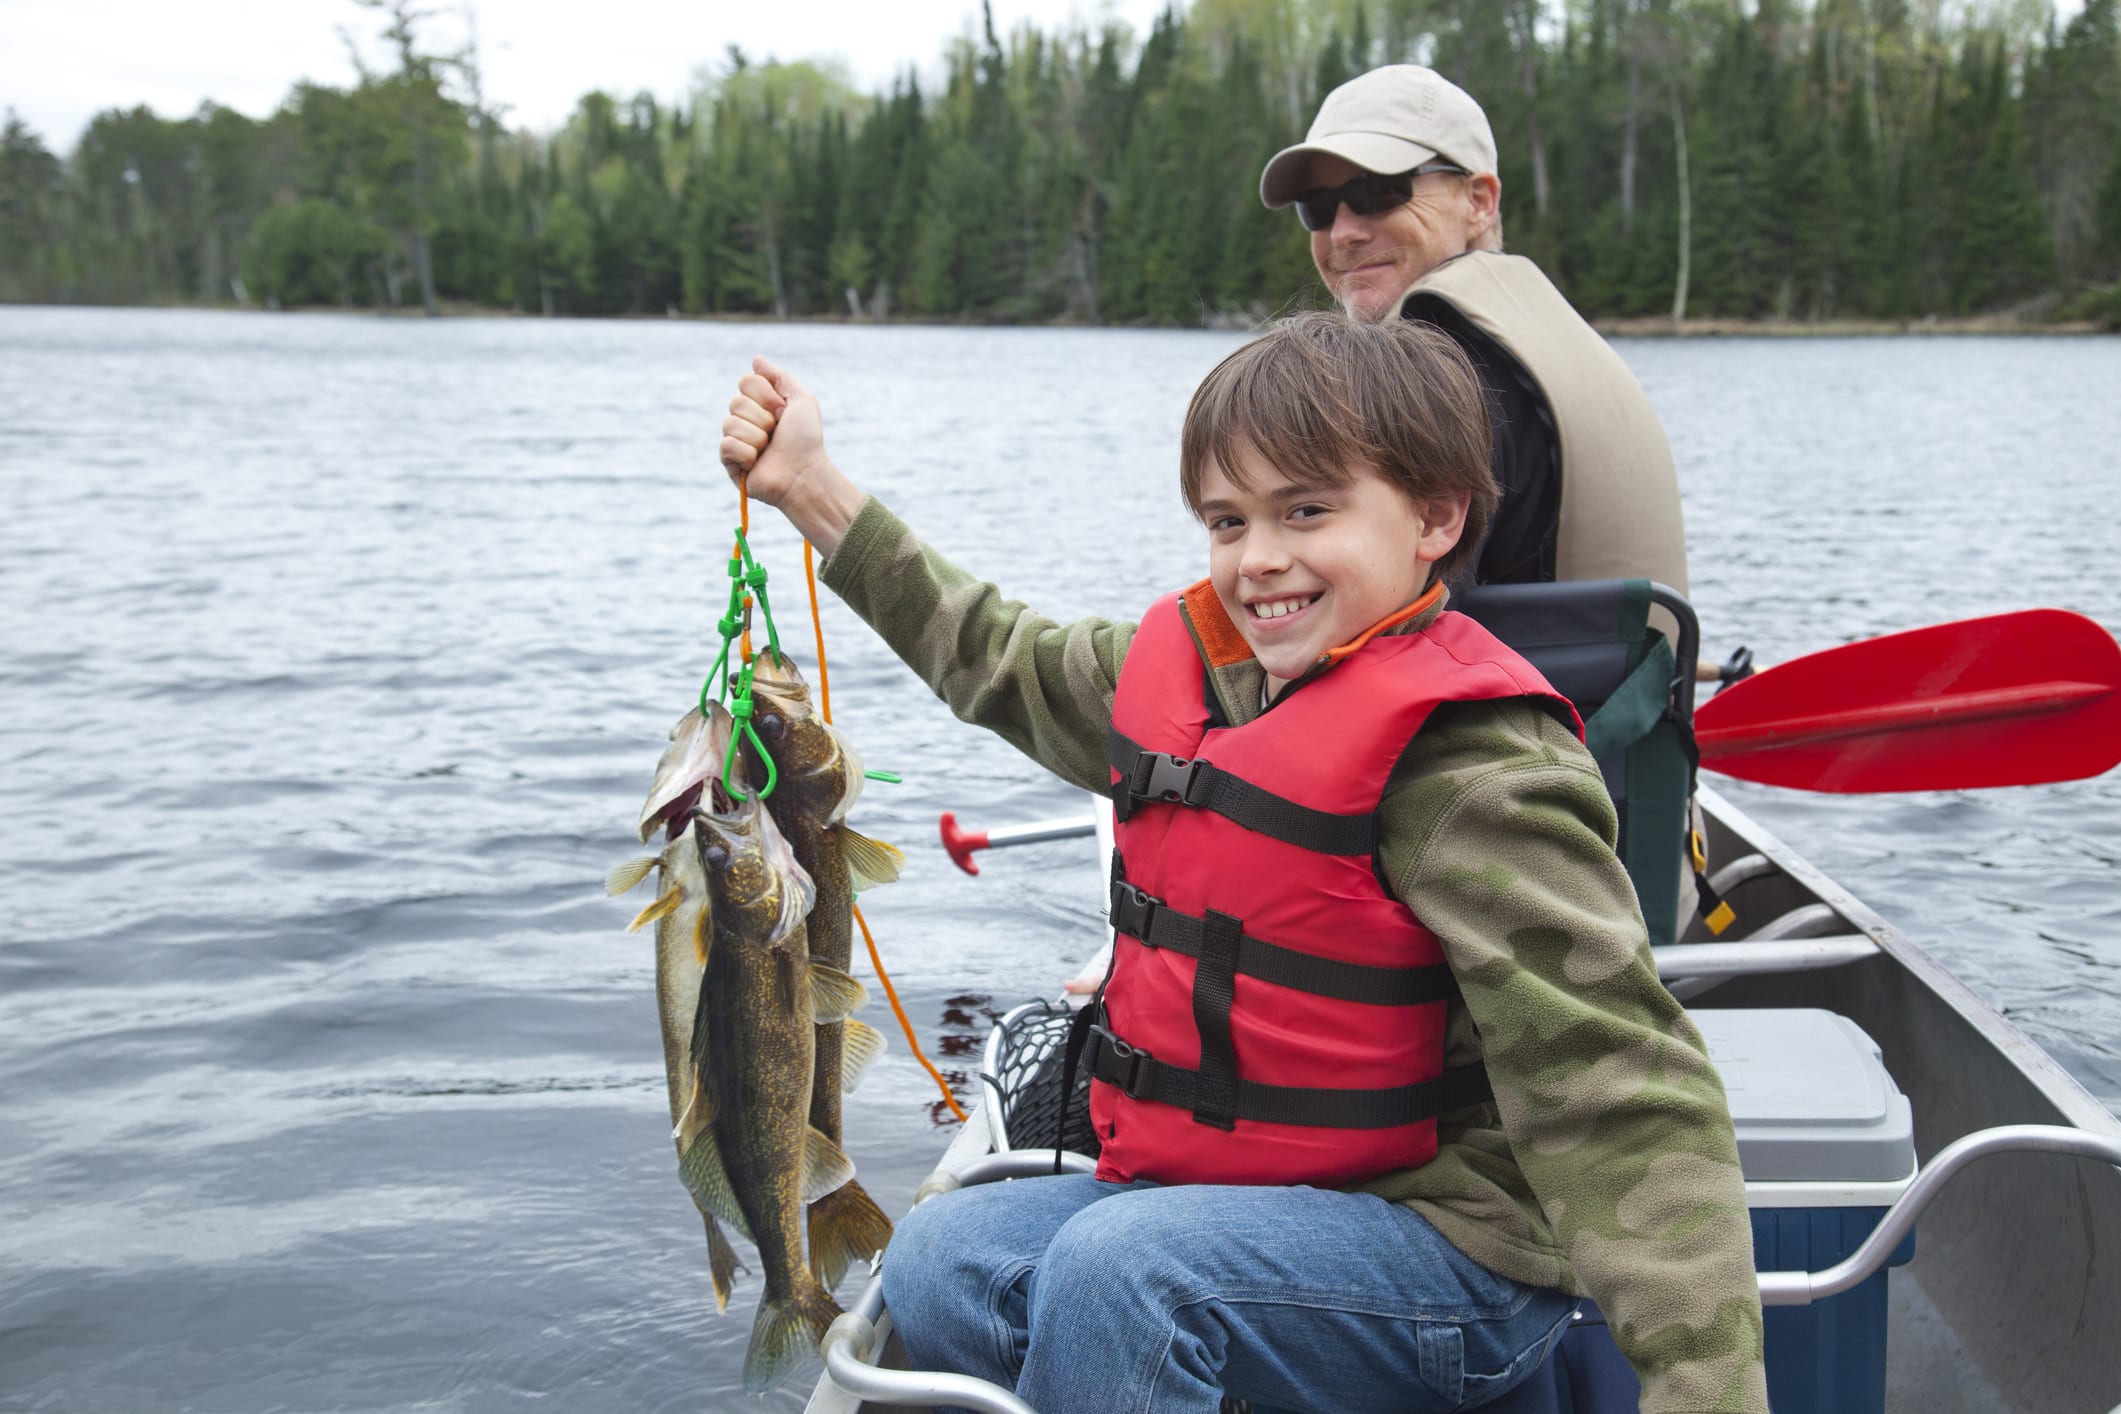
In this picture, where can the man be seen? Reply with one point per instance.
(1396, 183)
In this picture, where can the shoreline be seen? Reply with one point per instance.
(1629, 327)
(1711, 328)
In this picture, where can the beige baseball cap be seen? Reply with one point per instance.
(1391, 119)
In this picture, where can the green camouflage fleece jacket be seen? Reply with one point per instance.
(1605, 1164)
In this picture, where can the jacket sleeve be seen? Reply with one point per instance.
(1044, 688)
(1498, 834)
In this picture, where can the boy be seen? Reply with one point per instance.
(1395, 868)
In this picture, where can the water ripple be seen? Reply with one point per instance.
(328, 1076)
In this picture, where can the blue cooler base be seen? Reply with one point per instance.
(1828, 1357)
(1825, 1358)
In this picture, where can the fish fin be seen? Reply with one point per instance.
(661, 908)
(846, 1226)
(699, 1113)
(825, 1165)
(860, 1045)
(708, 1183)
(626, 876)
(833, 994)
(785, 1331)
(871, 862)
(722, 1264)
(702, 1063)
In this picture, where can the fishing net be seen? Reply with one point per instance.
(1024, 1063)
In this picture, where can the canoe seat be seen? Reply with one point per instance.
(1595, 642)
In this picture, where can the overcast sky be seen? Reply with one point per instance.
(61, 61)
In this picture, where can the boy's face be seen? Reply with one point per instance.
(1301, 570)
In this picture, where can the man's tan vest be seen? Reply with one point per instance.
(1620, 515)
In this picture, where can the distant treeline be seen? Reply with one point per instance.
(1846, 159)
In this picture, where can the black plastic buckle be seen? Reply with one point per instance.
(1166, 777)
(1130, 1061)
(1133, 910)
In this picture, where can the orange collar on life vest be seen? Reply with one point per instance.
(1225, 645)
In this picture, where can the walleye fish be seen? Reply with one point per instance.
(683, 932)
(819, 780)
(758, 1160)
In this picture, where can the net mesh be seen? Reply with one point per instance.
(1026, 1082)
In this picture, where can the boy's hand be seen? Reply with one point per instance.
(773, 444)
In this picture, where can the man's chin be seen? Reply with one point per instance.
(1368, 302)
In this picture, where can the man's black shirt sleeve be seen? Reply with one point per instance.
(1519, 548)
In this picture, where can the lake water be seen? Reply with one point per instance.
(335, 653)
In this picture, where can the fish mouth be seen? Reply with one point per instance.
(676, 816)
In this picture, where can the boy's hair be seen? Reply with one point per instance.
(1320, 395)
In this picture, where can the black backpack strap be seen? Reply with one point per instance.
(1139, 1075)
(1157, 776)
(1155, 924)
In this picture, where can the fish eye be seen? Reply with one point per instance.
(716, 855)
(773, 726)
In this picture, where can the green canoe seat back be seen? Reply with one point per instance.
(1635, 690)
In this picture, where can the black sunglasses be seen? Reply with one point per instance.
(1367, 195)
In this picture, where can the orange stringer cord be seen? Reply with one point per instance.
(817, 625)
(876, 960)
(905, 1025)
(743, 520)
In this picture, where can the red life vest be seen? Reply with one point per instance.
(1274, 1014)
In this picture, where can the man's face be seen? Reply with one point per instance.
(1368, 261)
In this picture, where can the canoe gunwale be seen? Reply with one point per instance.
(2014, 1301)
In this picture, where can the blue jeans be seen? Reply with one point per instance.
(1111, 1298)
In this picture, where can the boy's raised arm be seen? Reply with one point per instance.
(1043, 687)
(773, 445)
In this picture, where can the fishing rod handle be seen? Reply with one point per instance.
(1803, 1288)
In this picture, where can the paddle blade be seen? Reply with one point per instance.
(2009, 700)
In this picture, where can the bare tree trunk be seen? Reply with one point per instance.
(773, 263)
(1686, 212)
(1086, 250)
(1627, 143)
(423, 261)
(1870, 75)
(1528, 63)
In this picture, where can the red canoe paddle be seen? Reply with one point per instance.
(2010, 700)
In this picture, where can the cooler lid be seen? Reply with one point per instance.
(1810, 1097)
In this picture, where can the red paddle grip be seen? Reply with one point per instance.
(961, 843)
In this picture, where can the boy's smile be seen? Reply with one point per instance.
(1302, 570)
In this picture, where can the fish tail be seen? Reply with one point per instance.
(722, 1264)
(846, 1226)
(785, 1331)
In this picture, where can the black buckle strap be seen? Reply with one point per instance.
(1147, 777)
(1214, 993)
(1141, 1076)
(1155, 924)
(1158, 775)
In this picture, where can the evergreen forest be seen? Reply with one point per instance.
(1772, 159)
